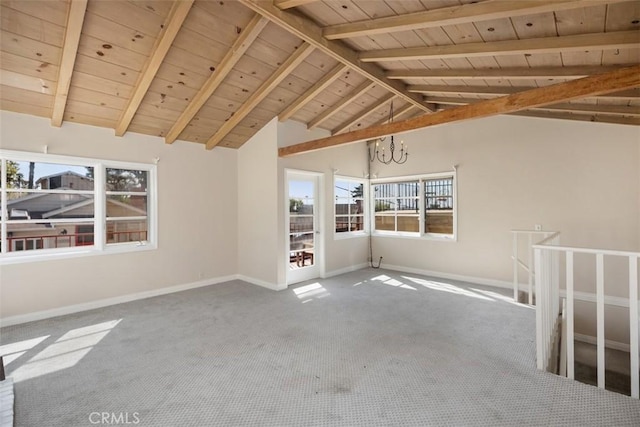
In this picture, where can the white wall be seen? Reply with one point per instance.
(197, 205)
(513, 172)
(258, 207)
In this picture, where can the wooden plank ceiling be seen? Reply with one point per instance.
(214, 72)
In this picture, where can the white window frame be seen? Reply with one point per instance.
(100, 247)
(365, 201)
(421, 207)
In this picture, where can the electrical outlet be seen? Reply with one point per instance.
(537, 227)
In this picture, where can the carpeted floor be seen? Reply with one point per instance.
(367, 348)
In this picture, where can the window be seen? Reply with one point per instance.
(396, 207)
(126, 205)
(420, 206)
(57, 206)
(349, 206)
(438, 205)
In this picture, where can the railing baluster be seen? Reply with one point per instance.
(515, 267)
(530, 261)
(633, 326)
(539, 334)
(600, 317)
(569, 338)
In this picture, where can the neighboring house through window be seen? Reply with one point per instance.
(63, 205)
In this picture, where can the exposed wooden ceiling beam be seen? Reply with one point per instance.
(75, 19)
(596, 41)
(624, 78)
(346, 100)
(500, 90)
(612, 110)
(312, 92)
(597, 118)
(455, 15)
(502, 73)
(288, 4)
(366, 113)
(261, 93)
(310, 32)
(170, 28)
(239, 47)
(608, 110)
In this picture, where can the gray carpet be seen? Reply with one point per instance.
(367, 348)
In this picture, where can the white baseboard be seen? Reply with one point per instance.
(70, 309)
(348, 269)
(615, 345)
(578, 295)
(451, 276)
(261, 283)
(591, 297)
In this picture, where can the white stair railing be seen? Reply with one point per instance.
(528, 238)
(547, 281)
(547, 278)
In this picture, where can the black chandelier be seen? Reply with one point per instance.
(380, 154)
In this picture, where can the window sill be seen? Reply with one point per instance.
(416, 236)
(77, 253)
(349, 235)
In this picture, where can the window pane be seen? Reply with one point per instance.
(44, 235)
(300, 206)
(439, 222)
(385, 190)
(48, 176)
(408, 223)
(386, 222)
(342, 224)
(42, 204)
(126, 180)
(408, 205)
(299, 224)
(299, 242)
(342, 189)
(439, 206)
(124, 231)
(357, 223)
(385, 205)
(129, 205)
(439, 194)
(357, 207)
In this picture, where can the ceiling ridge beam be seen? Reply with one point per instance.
(170, 28)
(503, 73)
(454, 15)
(363, 115)
(622, 79)
(233, 55)
(261, 93)
(365, 86)
(310, 32)
(612, 110)
(613, 40)
(311, 93)
(75, 19)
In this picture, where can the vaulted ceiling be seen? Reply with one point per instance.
(214, 72)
